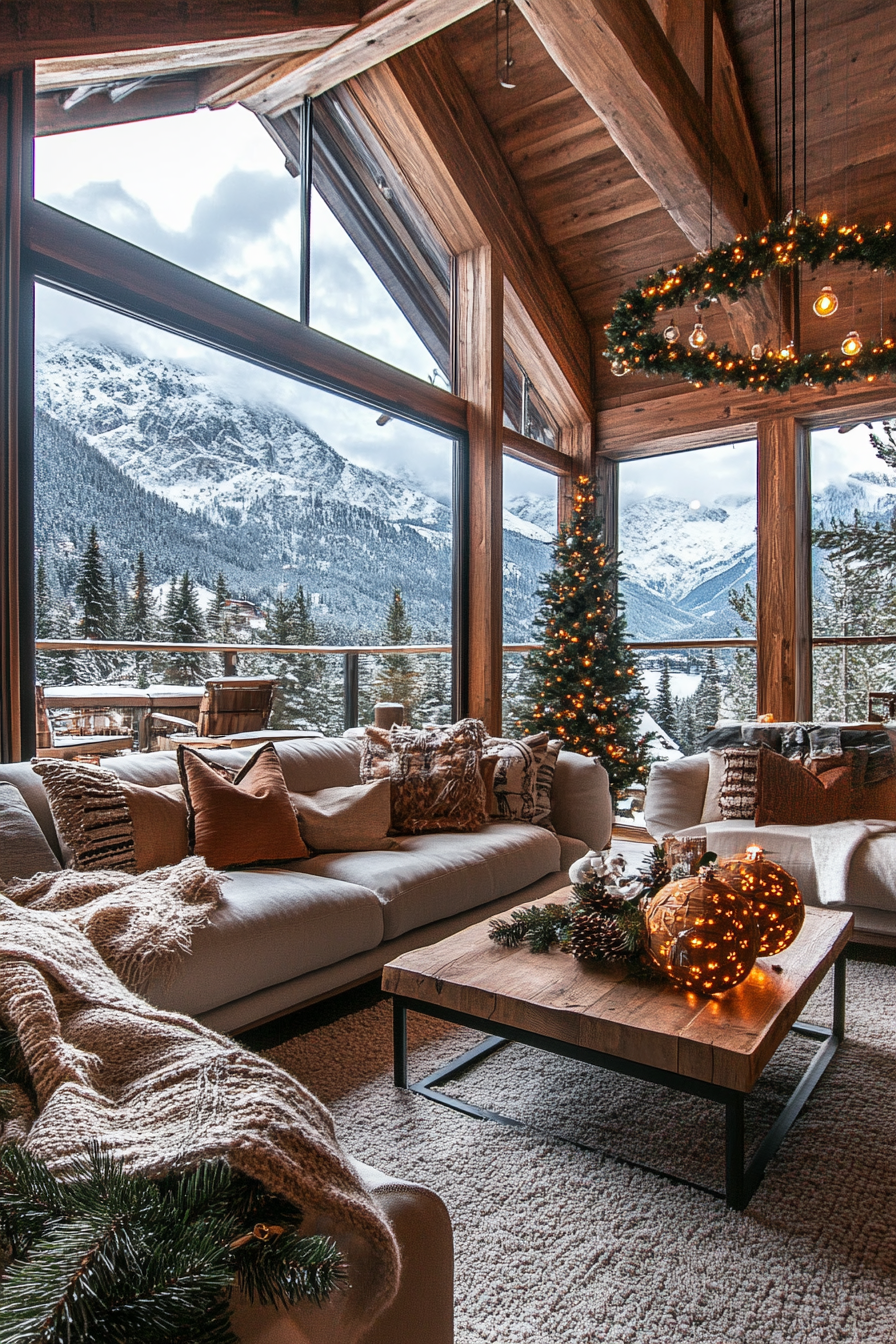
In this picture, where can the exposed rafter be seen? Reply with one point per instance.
(54, 29)
(386, 30)
(423, 112)
(618, 57)
(70, 71)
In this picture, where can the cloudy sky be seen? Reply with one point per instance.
(209, 191)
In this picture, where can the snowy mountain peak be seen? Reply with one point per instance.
(170, 429)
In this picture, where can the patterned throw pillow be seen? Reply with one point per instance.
(515, 783)
(106, 822)
(436, 782)
(545, 787)
(737, 799)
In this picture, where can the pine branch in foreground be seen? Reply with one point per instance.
(105, 1257)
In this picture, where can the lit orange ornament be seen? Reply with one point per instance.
(701, 933)
(773, 895)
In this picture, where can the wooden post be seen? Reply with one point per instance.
(783, 600)
(577, 442)
(17, 702)
(480, 379)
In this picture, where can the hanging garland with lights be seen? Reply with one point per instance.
(730, 271)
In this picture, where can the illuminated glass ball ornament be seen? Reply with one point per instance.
(774, 898)
(618, 368)
(852, 343)
(698, 337)
(671, 334)
(757, 351)
(700, 932)
(827, 303)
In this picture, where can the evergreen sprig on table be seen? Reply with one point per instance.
(598, 923)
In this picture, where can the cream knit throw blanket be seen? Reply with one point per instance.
(140, 925)
(159, 1090)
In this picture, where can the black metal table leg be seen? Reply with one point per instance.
(734, 1153)
(399, 1043)
(838, 1023)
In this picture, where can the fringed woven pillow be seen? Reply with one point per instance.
(111, 823)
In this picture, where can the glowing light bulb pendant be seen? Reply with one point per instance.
(698, 337)
(826, 304)
(618, 368)
(852, 343)
(671, 334)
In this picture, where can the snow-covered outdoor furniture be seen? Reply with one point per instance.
(230, 705)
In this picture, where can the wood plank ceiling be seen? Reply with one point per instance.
(604, 225)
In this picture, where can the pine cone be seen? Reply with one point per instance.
(592, 898)
(597, 937)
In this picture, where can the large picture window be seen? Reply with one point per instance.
(530, 527)
(853, 473)
(687, 540)
(186, 495)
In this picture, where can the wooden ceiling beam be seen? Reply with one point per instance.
(618, 57)
(70, 71)
(44, 30)
(423, 112)
(384, 32)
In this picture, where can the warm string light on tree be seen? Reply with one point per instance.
(582, 684)
(730, 271)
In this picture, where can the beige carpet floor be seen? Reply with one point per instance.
(554, 1243)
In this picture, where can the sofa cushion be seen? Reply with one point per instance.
(789, 794)
(24, 850)
(430, 877)
(355, 816)
(271, 926)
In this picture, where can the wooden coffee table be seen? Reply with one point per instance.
(715, 1048)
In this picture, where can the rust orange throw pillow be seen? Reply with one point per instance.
(877, 802)
(242, 818)
(787, 794)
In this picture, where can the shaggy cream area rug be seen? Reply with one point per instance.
(557, 1243)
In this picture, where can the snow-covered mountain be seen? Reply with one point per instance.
(162, 460)
(168, 429)
(539, 511)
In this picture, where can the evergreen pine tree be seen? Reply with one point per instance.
(707, 700)
(739, 696)
(663, 709)
(216, 619)
(396, 678)
(587, 687)
(97, 605)
(434, 691)
(139, 621)
(93, 591)
(48, 625)
(183, 623)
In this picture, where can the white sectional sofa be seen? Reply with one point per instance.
(287, 935)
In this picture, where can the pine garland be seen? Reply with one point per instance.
(730, 271)
(106, 1257)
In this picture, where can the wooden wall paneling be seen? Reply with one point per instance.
(55, 29)
(537, 357)
(783, 633)
(425, 114)
(74, 255)
(480, 378)
(384, 32)
(16, 429)
(577, 444)
(660, 417)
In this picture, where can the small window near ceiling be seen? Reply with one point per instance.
(524, 408)
(380, 273)
(206, 190)
(853, 474)
(530, 528)
(687, 541)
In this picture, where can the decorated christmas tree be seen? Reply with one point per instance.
(584, 685)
